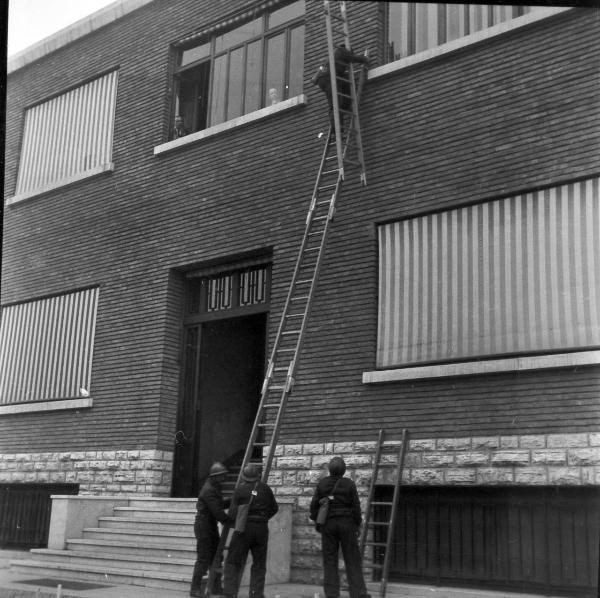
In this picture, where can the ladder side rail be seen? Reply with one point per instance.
(317, 269)
(356, 99)
(298, 259)
(293, 364)
(334, 92)
(390, 536)
(364, 532)
(355, 123)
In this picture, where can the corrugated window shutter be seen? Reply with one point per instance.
(46, 347)
(68, 136)
(516, 275)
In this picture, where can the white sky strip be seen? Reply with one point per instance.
(516, 275)
(68, 135)
(46, 347)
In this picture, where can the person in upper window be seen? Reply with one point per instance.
(254, 536)
(210, 508)
(178, 129)
(341, 529)
(343, 57)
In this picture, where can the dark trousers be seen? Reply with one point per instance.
(254, 540)
(342, 531)
(207, 540)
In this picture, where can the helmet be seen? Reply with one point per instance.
(337, 466)
(250, 473)
(217, 469)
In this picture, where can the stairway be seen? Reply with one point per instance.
(149, 543)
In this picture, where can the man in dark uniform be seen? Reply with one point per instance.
(210, 508)
(254, 538)
(343, 57)
(340, 529)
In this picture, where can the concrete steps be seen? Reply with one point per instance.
(148, 543)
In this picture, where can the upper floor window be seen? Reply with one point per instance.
(46, 348)
(241, 70)
(414, 27)
(68, 137)
(513, 276)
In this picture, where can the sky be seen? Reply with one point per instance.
(30, 21)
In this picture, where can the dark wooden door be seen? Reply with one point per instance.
(540, 540)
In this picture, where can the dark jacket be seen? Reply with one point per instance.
(263, 505)
(345, 501)
(210, 507)
(343, 58)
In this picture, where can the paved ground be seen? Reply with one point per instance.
(17, 585)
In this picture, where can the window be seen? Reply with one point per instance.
(68, 137)
(234, 72)
(519, 275)
(413, 27)
(46, 348)
(229, 290)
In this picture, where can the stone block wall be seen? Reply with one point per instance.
(137, 472)
(520, 460)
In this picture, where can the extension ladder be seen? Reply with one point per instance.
(336, 23)
(379, 534)
(283, 361)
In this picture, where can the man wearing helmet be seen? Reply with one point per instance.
(210, 508)
(253, 537)
(340, 529)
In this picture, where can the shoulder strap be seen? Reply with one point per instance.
(334, 487)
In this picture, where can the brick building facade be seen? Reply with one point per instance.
(141, 242)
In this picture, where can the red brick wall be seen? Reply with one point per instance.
(509, 114)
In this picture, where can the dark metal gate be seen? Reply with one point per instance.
(25, 513)
(543, 540)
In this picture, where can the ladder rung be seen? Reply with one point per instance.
(288, 332)
(303, 297)
(325, 187)
(270, 405)
(387, 504)
(341, 19)
(276, 386)
(267, 425)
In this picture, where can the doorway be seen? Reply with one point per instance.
(224, 361)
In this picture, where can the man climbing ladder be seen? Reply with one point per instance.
(322, 79)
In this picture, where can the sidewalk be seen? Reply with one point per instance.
(18, 585)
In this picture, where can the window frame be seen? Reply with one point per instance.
(515, 354)
(265, 35)
(100, 140)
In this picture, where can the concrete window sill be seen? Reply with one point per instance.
(492, 366)
(61, 183)
(231, 124)
(42, 406)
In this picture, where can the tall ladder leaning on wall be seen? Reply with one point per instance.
(279, 379)
(378, 532)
